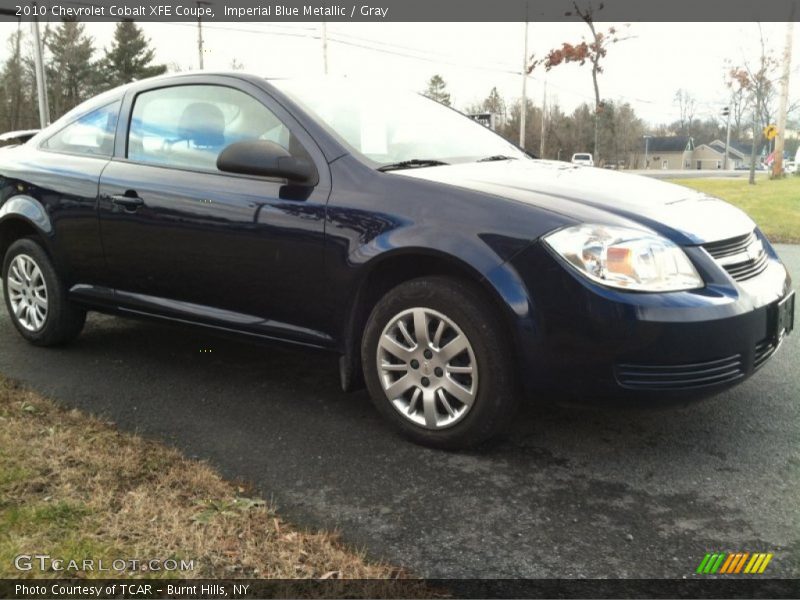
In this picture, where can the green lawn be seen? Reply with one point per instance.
(773, 204)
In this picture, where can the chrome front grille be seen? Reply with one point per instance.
(743, 257)
(731, 246)
(678, 377)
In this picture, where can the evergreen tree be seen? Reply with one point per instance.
(494, 103)
(533, 125)
(437, 90)
(18, 109)
(129, 58)
(70, 71)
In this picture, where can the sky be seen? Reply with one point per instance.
(646, 69)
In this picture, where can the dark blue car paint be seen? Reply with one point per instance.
(586, 329)
(218, 250)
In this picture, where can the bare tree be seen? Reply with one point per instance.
(13, 85)
(592, 51)
(738, 109)
(687, 106)
(756, 82)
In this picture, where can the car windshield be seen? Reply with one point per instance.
(388, 126)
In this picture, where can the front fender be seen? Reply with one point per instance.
(475, 253)
(486, 261)
(522, 315)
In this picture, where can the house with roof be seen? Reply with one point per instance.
(669, 152)
(712, 155)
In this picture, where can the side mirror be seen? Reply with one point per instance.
(266, 159)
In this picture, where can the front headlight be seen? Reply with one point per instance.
(625, 258)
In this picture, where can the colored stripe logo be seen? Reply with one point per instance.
(734, 563)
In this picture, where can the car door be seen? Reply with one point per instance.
(185, 240)
(62, 173)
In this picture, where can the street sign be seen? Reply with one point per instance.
(770, 132)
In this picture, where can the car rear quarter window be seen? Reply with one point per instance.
(188, 126)
(91, 134)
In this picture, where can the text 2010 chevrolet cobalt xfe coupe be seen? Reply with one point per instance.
(448, 268)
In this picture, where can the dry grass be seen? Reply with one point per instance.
(75, 487)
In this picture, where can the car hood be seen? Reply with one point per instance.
(682, 214)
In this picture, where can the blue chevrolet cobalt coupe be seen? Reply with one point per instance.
(453, 273)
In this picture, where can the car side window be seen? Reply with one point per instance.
(92, 134)
(188, 126)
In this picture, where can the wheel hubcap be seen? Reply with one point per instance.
(27, 292)
(427, 368)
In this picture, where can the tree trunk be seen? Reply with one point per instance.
(595, 67)
(596, 156)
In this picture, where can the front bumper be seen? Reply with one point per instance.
(600, 344)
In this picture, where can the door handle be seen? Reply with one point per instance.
(128, 200)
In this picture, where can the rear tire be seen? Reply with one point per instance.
(438, 363)
(36, 298)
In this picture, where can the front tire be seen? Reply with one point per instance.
(36, 298)
(438, 364)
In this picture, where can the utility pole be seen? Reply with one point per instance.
(524, 105)
(41, 81)
(726, 112)
(646, 149)
(200, 4)
(200, 43)
(324, 47)
(777, 164)
(544, 113)
(16, 113)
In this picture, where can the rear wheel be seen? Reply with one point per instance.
(36, 298)
(437, 363)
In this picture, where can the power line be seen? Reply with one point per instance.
(499, 64)
(313, 35)
(354, 41)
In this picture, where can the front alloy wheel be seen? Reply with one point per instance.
(427, 368)
(438, 362)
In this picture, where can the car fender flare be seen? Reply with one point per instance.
(29, 210)
(496, 277)
(470, 254)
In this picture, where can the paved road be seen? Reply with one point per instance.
(570, 493)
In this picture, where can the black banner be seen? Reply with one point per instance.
(398, 10)
(711, 587)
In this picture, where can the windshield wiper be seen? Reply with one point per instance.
(496, 157)
(410, 164)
